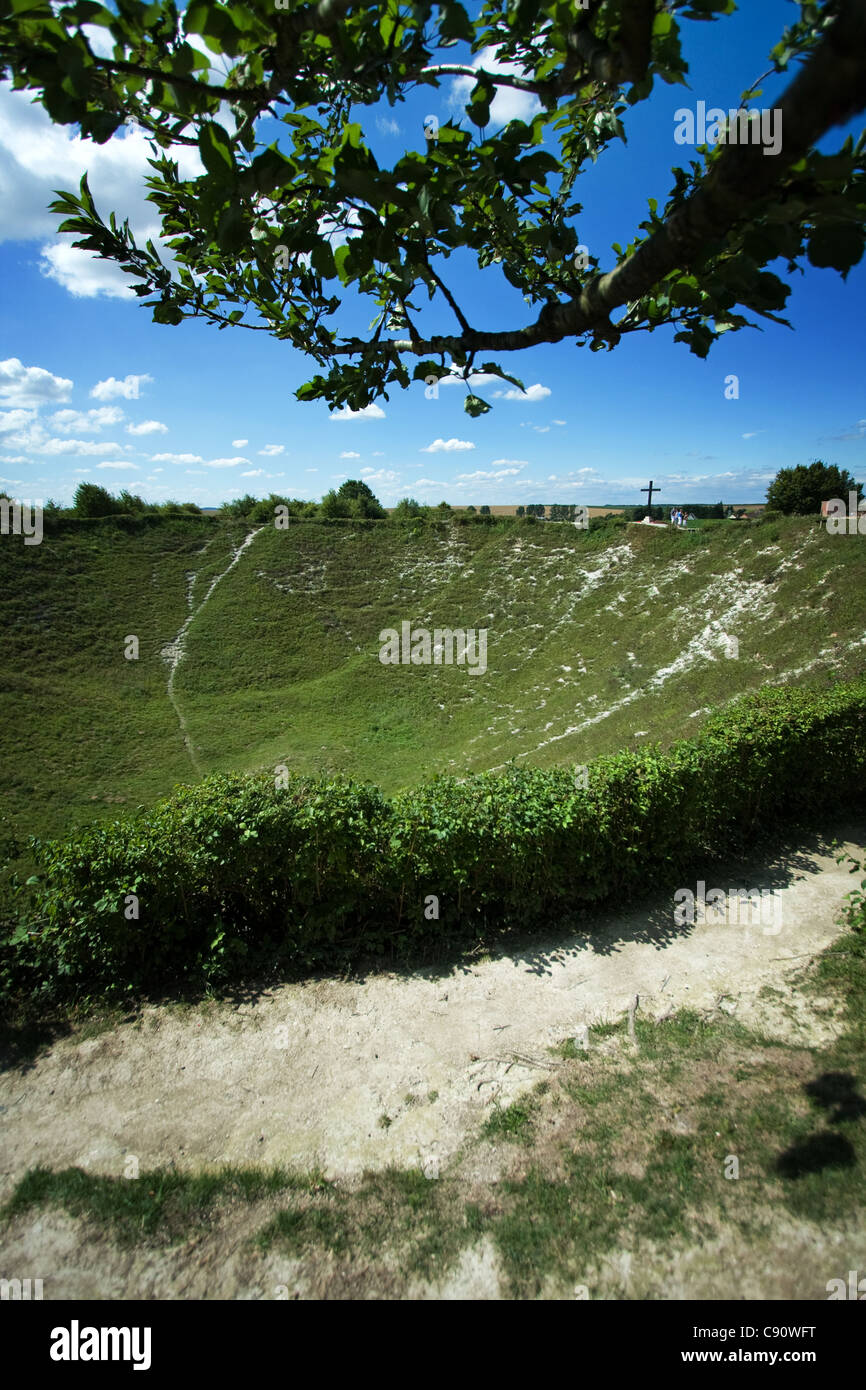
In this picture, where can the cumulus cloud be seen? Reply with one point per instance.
(491, 474)
(23, 386)
(85, 421)
(240, 443)
(129, 388)
(176, 458)
(369, 412)
(382, 475)
(270, 451)
(474, 379)
(37, 157)
(254, 473)
(349, 454)
(447, 446)
(532, 393)
(148, 427)
(36, 440)
(225, 463)
(16, 419)
(81, 275)
(508, 104)
(132, 466)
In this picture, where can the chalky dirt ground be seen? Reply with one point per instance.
(392, 1069)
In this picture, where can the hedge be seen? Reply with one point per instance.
(237, 870)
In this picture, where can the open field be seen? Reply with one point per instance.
(596, 641)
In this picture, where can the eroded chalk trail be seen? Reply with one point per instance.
(173, 652)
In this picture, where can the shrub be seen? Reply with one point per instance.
(236, 870)
(800, 491)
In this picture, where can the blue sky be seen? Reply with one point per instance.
(91, 389)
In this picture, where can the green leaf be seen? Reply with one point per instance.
(836, 246)
(322, 259)
(215, 149)
(341, 255)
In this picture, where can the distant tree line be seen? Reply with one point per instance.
(794, 491)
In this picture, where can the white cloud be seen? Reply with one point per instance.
(532, 393)
(81, 275)
(369, 412)
(559, 422)
(132, 466)
(37, 157)
(449, 446)
(86, 421)
(176, 458)
(16, 419)
(99, 39)
(349, 454)
(240, 443)
(36, 440)
(254, 473)
(427, 482)
(491, 474)
(474, 379)
(381, 476)
(225, 463)
(128, 388)
(508, 104)
(387, 125)
(148, 427)
(270, 451)
(23, 386)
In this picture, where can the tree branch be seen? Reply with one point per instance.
(829, 89)
(458, 312)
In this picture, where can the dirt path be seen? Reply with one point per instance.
(357, 1075)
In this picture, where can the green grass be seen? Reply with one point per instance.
(282, 663)
(509, 1122)
(159, 1206)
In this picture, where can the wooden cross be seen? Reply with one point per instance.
(650, 498)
